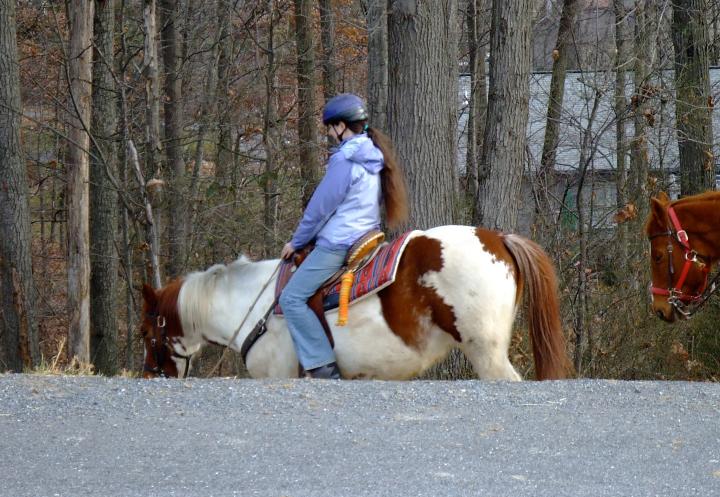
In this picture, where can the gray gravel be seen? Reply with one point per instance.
(67, 436)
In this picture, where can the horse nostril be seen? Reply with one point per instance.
(660, 315)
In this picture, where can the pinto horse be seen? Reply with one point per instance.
(456, 286)
(684, 245)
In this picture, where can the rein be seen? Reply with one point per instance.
(685, 304)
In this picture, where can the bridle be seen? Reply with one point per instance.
(159, 349)
(685, 304)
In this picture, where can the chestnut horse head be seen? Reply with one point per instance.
(165, 355)
(682, 251)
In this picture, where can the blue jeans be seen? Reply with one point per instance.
(312, 346)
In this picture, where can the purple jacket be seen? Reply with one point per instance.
(346, 203)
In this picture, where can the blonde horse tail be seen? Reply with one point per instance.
(543, 313)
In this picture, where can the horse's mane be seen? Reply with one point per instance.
(700, 197)
(195, 300)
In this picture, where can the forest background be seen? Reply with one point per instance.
(140, 140)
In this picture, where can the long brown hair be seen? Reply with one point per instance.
(392, 178)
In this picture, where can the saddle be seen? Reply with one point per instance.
(359, 255)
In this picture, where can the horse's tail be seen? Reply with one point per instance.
(543, 313)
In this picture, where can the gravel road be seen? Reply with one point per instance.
(91, 436)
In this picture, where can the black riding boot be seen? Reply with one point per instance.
(327, 372)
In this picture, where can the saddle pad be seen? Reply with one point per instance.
(376, 275)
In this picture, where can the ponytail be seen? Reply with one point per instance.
(392, 180)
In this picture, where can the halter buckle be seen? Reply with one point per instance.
(682, 237)
(160, 322)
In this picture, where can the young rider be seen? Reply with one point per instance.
(362, 174)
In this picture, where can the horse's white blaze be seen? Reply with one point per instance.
(180, 365)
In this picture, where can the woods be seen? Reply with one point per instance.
(143, 140)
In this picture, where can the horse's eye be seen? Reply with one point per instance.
(658, 258)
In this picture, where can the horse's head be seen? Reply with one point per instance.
(161, 332)
(679, 275)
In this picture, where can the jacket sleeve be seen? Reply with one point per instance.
(328, 195)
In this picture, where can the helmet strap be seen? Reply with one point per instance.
(340, 135)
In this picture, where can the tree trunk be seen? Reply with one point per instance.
(327, 37)
(172, 105)
(422, 104)
(207, 111)
(152, 90)
(153, 148)
(103, 197)
(622, 36)
(271, 141)
(642, 71)
(18, 330)
(502, 163)
(307, 124)
(377, 26)
(223, 161)
(693, 104)
(583, 330)
(561, 56)
(477, 104)
(78, 232)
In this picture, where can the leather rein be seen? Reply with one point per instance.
(159, 348)
(685, 304)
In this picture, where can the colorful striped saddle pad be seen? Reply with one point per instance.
(376, 275)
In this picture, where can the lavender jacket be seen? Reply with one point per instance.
(346, 203)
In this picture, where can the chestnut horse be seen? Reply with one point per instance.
(684, 245)
(456, 286)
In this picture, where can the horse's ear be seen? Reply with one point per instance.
(658, 206)
(663, 197)
(150, 296)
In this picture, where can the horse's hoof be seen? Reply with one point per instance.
(327, 372)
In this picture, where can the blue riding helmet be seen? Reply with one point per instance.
(344, 107)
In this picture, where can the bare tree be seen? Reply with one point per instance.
(223, 161)
(622, 39)
(477, 102)
(307, 124)
(645, 61)
(422, 104)
(18, 330)
(377, 27)
(103, 196)
(152, 89)
(172, 106)
(562, 54)
(327, 37)
(78, 232)
(693, 107)
(502, 163)
(271, 136)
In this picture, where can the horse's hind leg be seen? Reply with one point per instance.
(488, 353)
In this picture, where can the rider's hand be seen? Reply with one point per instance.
(287, 251)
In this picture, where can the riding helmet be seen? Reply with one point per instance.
(344, 107)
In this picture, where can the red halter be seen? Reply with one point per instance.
(675, 293)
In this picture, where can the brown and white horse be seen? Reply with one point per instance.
(456, 286)
(684, 245)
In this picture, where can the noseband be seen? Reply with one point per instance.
(685, 304)
(159, 349)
